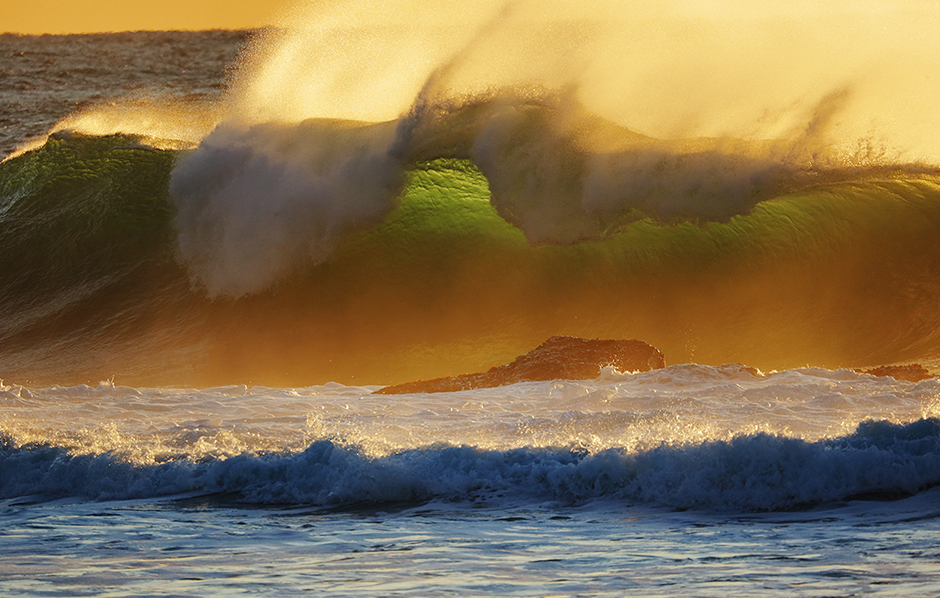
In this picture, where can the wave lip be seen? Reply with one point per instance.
(750, 473)
(255, 204)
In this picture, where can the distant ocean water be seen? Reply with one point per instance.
(49, 77)
(198, 299)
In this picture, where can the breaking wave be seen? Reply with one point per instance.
(760, 472)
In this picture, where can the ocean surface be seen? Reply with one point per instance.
(215, 246)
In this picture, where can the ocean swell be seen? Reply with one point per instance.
(430, 280)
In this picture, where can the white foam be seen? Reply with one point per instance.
(687, 436)
(256, 204)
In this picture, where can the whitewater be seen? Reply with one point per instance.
(216, 247)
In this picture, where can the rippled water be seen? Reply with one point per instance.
(203, 547)
(44, 78)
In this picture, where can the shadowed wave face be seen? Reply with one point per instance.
(384, 199)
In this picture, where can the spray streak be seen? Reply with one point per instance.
(582, 117)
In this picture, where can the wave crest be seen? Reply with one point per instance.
(255, 204)
(749, 473)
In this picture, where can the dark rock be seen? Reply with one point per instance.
(908, 373)
(560, 357)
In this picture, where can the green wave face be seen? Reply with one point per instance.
(86, 257)
(843, 274)
(75, 199)
(837, 275)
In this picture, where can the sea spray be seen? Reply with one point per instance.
(255, 204)
(527, 93)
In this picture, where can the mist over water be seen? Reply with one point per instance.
(583, 117)
(668, 69)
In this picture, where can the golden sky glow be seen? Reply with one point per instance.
(88, 16)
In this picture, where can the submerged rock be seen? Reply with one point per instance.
(560, 357)
(909, 373)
